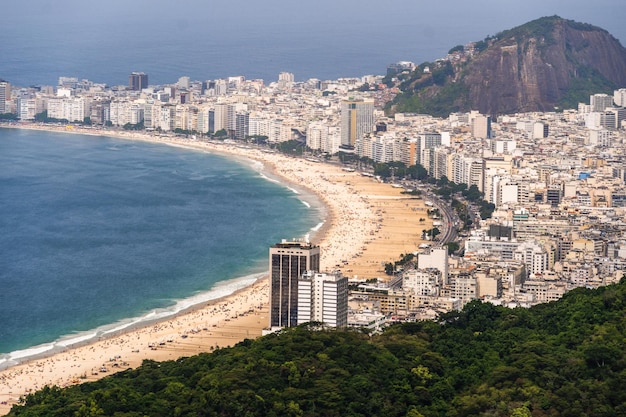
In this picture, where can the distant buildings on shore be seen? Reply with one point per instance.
(557, 180)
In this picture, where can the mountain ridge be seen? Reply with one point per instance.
(546, 64)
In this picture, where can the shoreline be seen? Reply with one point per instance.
(130, 324)
(354, 216)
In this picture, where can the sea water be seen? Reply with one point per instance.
(97, 233)
(325, 39)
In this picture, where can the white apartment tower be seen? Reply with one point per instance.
(619, 97)
(437, 258)
(221, 117)
(316, 135)
(323, 298)
(5, 97)
(481, 127)
(286, 77)
(599, 102)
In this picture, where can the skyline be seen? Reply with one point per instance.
(105, 42)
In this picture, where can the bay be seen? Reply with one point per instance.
(96, 230)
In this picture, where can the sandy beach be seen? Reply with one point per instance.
(367, 224)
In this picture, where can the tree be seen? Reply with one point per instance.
(452, 247)
(417, 172)
(258, 139)
(292, 147)
(382, 170)
(458, 48)
(41, 117)
(136, 126)
(522, 411)
(473, 194)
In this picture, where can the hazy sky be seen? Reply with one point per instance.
(482, 17)
(369, 33)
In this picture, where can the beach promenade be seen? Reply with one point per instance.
(367, 223)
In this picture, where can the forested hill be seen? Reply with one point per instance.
(544, 64)
(565, 358)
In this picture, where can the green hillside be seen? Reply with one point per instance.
(546, 64)
(565, 358)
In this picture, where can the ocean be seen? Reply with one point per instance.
(98, 233)
(42, 40)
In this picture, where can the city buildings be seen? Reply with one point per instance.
(299, 293)
(289, 261)
(556, 179)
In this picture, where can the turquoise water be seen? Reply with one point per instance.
(96, 230)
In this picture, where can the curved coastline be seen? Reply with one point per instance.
(220, 291)
(354, 216)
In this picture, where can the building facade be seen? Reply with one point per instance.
(137, 81)
(323, 298)
(5, 97)
(288, 263)
(357, 119)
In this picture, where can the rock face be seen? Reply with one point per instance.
(532, 73)
(534, 67)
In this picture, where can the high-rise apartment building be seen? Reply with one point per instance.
(436, 258)
(323, 298)
(481, 127)
(357, 119)
(220, 120)
(286, 77)
(599, 102)
(426, 143)
(5, 97)
(619, 97)
(242, 125)
(288, 262)
(137, 81)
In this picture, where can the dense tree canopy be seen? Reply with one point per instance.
(564, 358)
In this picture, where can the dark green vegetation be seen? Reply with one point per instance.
(588, 81)
(546, 64)
(565, 358)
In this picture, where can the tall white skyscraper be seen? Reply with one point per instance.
(481, 127)
(357, 119)
(437, 258)
(5, 97)
(599, 102)
(221, 117)
(619, 97)
(323, 298)
(183, 82)
(286, 77)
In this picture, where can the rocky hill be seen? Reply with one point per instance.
(545, 64)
